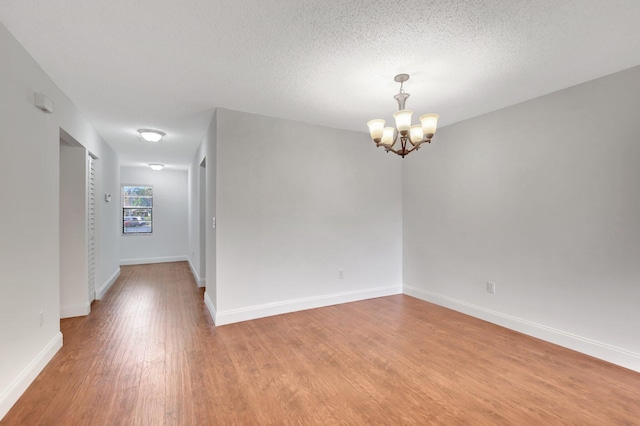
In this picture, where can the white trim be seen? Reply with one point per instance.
(100, 292)
(12, 393)
(199, 281)
(153, 260)
(79, 310)
(606, 352)
(286, 306)
(210, 307)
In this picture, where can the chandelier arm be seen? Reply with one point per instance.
(421, 142)
(415, 147)
(395, 151)
(407, 152)
(403, 151)
(390, 149)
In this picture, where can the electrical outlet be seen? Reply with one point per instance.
(341, 274)
(491, 287)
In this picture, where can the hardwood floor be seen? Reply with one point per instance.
(149, 355)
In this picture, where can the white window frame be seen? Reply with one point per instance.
(139, 219)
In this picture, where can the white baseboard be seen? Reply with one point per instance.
(284, 307)
(210, 307)
(80, 310)
(10, 395)
(199, 281)
(102, 290)
(144, 261)
(609, 353)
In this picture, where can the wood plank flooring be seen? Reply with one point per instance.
(149, 355)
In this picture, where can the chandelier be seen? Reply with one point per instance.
(411, 136)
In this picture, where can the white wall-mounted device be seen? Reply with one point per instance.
(44, 103)
(107, 198)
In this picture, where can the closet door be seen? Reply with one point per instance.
(91, 223)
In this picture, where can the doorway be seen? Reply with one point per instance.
(74, 270)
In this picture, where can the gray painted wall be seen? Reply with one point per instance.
(74, 269)
(29, 219)
(169, 241)
(210, 151)
(541, 198)
(197, 203)
(295, 205)
(202, 202)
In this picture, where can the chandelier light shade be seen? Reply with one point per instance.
(429, 124)
(387, 136)
(416, 133)
(403, 120)
(405, 137)
(376, 128)
(151, 135)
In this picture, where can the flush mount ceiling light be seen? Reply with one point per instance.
(156, 166)
(151, 135)
(411, 136)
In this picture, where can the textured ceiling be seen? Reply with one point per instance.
(166, 64)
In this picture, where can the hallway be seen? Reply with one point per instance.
(149, 355)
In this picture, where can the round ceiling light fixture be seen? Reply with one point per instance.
(150, 135)
(156, 166)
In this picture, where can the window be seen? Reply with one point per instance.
(137, 209)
